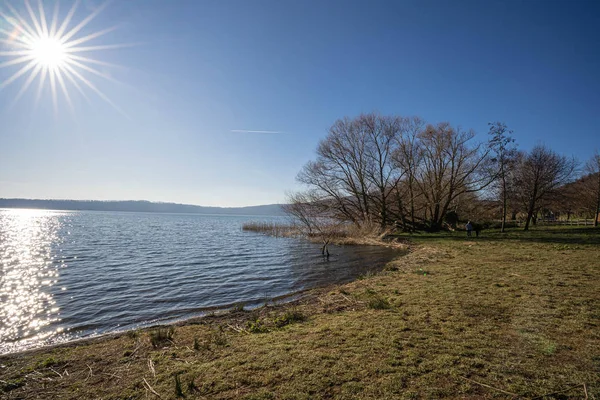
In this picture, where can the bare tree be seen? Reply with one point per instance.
(339, 172)
(504, 151)
(313, 214)
(592, 167)
(539, 173)
(451, 165)
(354, 169)
(408, 156)
(381, 134)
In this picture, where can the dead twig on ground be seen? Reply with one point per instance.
(488, 386)
(151, 367)
(238, 329)
(56, 372)
(151, 389)
(90, 374)
(113, 375)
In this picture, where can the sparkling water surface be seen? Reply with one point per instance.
(71, 274)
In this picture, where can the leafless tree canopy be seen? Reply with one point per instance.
(395, 172)
(391, 170)
(539, 173)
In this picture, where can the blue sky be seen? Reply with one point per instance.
(200, 70)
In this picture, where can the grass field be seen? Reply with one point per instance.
(501, 316)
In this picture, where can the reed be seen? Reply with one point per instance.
(271, 228)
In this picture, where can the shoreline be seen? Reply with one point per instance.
(221, 312)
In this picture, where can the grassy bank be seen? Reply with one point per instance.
(500, 316)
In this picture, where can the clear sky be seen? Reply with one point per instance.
(199, 76)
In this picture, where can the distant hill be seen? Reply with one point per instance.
(138, 206)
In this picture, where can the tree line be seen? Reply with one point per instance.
(379, 172)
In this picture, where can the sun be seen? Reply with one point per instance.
(52, 52)
(48, 52)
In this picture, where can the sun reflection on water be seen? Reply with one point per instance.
(27, 274)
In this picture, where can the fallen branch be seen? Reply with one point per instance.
(488, 386)
(150, 388)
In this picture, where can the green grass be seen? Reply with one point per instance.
(514, 313)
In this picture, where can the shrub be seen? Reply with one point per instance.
(378, 303)
(256, 326)
(289, 318)
(161, 336)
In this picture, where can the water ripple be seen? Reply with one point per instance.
(67, 275)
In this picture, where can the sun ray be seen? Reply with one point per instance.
(53, 90)
(68, 18)
(38, 95)
(15, 53)
(92, 70)
(61, 83)
(25, 27)
(100, 47)
(17, 74)
(11, 42)
(83, 23)
(36, 24)
(54, 19)
(26, 85)
(11, 38)
(21, 28)
(89, 37)
(19, 60)
(43, 17)
(74, 83)
(93, 61)
(95, 89)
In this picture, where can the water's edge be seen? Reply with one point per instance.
(225, 312)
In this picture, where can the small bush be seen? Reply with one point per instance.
(196, 344)
(289, 317)
(256, 326)
(378, 303)
(46, 363)
(161, 336)
(218, 337)
(238, 307)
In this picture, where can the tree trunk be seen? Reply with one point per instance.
(529, 213)
(503, 204)
(597, 213)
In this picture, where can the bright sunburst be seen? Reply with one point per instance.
(49, 50)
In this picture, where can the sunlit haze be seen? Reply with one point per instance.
(221, 103)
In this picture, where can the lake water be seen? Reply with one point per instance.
(66, 275)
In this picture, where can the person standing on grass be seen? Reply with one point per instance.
(469, 227)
